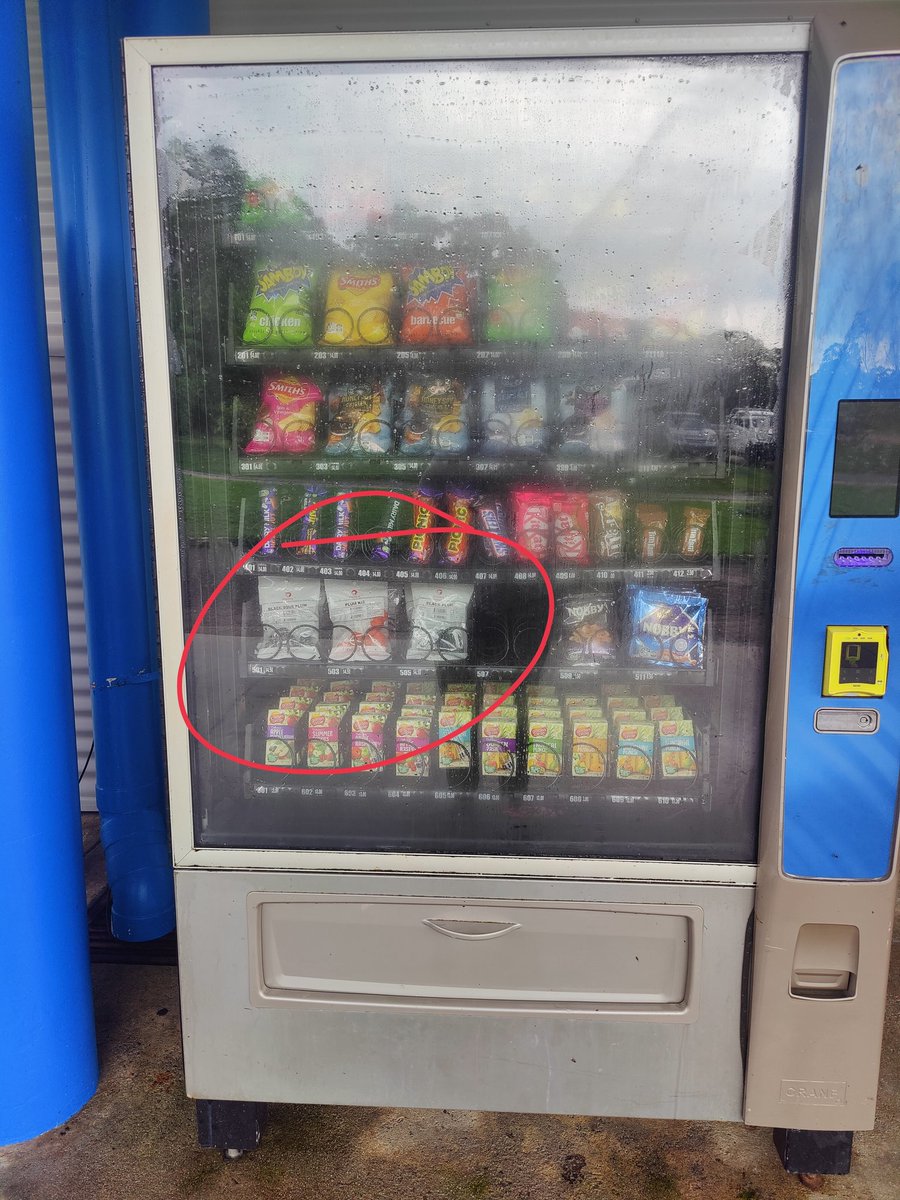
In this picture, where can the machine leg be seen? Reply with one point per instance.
(813, 1151)
(231, 1126)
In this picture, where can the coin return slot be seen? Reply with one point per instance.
(826, 961)
(846, 720)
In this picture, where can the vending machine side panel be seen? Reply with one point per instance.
(828, 837)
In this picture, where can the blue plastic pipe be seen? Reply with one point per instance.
(48, 1056)
(85, 110)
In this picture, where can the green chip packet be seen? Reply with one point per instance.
(520, 306)
(281, 309)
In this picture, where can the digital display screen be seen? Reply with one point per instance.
(858, 662)
(866, 478)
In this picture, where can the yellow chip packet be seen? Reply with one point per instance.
(358, 308)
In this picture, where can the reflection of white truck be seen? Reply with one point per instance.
(750, 434)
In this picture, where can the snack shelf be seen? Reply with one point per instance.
(330, 787)
(397, 467)
(281, 668)
(520, 355)
(402, 573)
(517, 793)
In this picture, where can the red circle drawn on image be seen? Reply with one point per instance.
(454, 523)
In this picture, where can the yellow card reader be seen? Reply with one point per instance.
(856, 660)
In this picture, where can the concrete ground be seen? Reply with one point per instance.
(136, 1138)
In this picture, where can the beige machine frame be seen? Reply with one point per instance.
(812, 1063)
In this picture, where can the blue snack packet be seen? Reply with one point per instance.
(666, 627)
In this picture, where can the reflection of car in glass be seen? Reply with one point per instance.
(750, 433)
(690, 435)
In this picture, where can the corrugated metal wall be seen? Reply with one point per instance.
(74, 587)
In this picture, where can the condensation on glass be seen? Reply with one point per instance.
(550, 298)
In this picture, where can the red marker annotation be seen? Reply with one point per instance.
(454, 523)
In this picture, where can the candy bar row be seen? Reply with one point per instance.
(538, 734)
(559, 527)
(435, 417)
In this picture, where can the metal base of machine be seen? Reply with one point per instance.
(231, 1126)
(813, 1151)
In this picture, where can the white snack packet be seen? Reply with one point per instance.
(289, 611)
(438, 618)
(359, 614)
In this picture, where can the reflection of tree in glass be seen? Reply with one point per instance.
(207, 278)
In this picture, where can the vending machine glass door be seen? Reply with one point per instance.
(476, 372)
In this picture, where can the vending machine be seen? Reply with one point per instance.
(524, 425)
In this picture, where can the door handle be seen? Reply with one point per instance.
(468, 930)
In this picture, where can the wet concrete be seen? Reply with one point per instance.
(136, 1138)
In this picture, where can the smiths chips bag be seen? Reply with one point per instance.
(519, 306)
(281, 308)
(437, 308)
(358, 309)
(286, 421)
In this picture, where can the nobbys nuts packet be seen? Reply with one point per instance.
(666, 627)
(587, 627)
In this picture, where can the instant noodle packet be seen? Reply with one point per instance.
(323, 740)
(456, 754)
(667, 713)
(677, 750)
(366, 739)
(498, 746)
(544, 755)
(634, 750)
(412, 733)
(589, 746)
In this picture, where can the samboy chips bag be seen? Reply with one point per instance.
(281, 308)
(437, 307)
(358, 308)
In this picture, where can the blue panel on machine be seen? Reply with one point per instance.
(840, 803)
